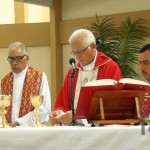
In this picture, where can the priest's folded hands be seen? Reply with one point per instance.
(60, 117)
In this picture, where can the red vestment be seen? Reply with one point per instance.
(107, 69)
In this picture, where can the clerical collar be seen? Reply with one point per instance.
(91, 65)
(21, 73)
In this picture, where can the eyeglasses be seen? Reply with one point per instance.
(16, 59)
(79, 51)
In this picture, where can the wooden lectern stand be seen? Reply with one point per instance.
(116, 106)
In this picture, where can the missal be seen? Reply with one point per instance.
(126, 85)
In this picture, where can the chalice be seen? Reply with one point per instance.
(5, 101)
(36, 101)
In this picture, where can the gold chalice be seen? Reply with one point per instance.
(36, 101)
(5, 101)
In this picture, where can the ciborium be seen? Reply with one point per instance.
(36, 101)
(5, 101)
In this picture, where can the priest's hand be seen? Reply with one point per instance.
(53, 117)
(15, 124)
(65, 118)
(59, 116)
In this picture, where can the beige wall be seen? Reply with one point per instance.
(66, 57)
(4, 65)
(40, 59)
(73, 9)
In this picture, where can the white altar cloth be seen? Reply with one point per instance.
(75, 138)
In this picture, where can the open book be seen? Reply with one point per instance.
(122, 84)
(128, 84)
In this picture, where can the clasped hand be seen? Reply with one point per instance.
(60, 117)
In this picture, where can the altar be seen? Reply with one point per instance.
(114, 137)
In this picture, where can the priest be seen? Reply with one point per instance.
(22, 82)
(92, 65)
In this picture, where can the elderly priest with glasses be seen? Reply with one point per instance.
(92, 65)
(22, 82)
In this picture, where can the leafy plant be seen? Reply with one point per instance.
(121, 43)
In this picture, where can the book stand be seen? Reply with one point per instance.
(116, 106)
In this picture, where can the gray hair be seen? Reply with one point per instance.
(88, 37)
(18, 45)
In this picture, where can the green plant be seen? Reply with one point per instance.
(121, 43)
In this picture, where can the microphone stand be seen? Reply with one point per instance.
(73, 122)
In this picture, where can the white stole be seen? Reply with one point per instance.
(83, 78)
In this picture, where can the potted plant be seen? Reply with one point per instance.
(121, 43)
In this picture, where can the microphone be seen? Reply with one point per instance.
(72, 62)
